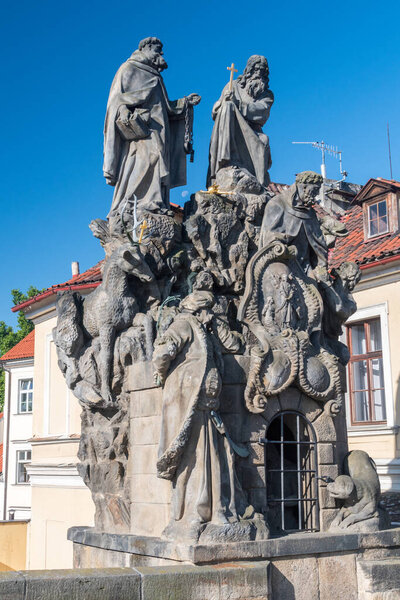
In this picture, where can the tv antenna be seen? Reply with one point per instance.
(332, 151)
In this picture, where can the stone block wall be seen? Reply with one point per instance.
(150, 496)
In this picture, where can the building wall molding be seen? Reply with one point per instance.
(55, 476)
(389, 473)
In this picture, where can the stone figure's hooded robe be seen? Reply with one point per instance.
(147, 167)
(297, 226)
(192, 453)
(237, 138)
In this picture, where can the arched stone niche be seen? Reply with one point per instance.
(324, 422)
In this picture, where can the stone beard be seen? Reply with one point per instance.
(237, 138)
(150, 165)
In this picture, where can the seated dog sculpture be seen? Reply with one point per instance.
(359, 490)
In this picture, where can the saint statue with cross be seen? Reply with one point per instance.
(237, 139)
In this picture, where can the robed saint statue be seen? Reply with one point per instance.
(146, 135)
(237, 138)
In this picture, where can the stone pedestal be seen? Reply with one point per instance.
(302, 566)
(150, 496)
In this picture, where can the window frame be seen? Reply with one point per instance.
(18, 462)
(25, 393)
(368, 356)
(369, 206)
(392, 213)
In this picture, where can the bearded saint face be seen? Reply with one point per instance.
(307, 194)
(154, 53)
(256, 79)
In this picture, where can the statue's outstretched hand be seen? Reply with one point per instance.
(194, 99)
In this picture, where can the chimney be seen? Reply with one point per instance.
(75, 268)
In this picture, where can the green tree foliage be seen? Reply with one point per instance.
(9, 337)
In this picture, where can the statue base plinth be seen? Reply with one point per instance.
(94, 549)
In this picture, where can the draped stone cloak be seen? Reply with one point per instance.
(237, 138)
(192, 452)
(148, 167)
(298, 226)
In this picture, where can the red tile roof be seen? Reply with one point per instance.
(24, 349)
(277, 188)
(390, 181)
(354, 247)
(88, 279)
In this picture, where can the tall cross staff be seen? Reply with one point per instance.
(232, 70)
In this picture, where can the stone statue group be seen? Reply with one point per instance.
(246, 273)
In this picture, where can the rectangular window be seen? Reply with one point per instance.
(25, 395)
(366, 378)
(23, 458)
(378, 219)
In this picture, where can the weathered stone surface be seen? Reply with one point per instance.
(325, 428)
(232, 400)
(236, 368)
(338, 577)
(310, 408)
(145, 430)
(325, 454)
(90, 557)
(253, 477)
(144, 459)
(240, 581)
(289, 399)
(253, 427)
(150, 489)
(330, 471)
(379, 578)
(91, 584)
(295, 579)
(272, 408)
(326, 516)
(140, 376)
(12, 586)
(149, 519)
(146, 403)
(257, 453)
(325, 499)
(288, 546)
(258, 499)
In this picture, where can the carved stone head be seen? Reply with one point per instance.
(307, 184)
(255, 77)
(349, 273)
(342, 488)
(152, 49)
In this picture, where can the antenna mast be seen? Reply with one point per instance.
(326, 149)
(390, 153)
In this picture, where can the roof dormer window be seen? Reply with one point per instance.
(378, 218)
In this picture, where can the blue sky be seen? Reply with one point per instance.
(334, 69)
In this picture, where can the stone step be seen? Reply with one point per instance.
(379, 579)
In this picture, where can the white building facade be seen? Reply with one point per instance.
(18, 408)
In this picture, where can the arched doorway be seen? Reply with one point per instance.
(291, 473)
